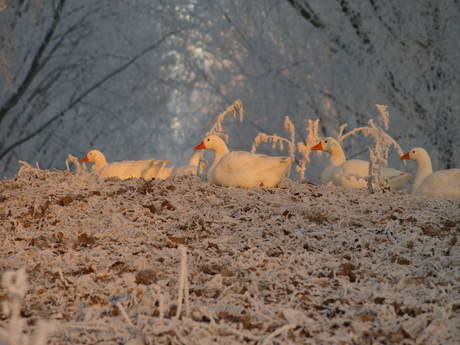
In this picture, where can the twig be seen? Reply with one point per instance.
(377, 181)
(305, 149)
(277, 332)
(75, 161)
(235, 108)
(262, 137)
(183, 283)
(97, 327)
(125, 315)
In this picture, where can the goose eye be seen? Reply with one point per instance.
(325, 141)
(413, 151)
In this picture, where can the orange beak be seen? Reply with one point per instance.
(318, 146)
(84, 159)
(200, 147)
(406, 156)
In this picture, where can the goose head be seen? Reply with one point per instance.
(213, 142)
(420, 156)
(328, 144)
(96, 157)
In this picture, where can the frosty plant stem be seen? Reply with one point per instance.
(76, 162)
(305, 149)
(262, 137)
(15, 282)
(27, 168)
(183, 283)
(125, 315)
(161, 301)
(277, 332)
(235, 108)
(372, 131)
(377, 182)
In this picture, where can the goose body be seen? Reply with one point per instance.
(441, 184)
(343, 172)
(157, 170)
(192, 167)
(241, 168)
(165, 172)
(122, 170)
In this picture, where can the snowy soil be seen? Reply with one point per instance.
(300, 264)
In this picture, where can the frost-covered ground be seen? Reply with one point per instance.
(182, 261)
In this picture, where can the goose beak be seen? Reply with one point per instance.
(406, 156)
(318, 146)
(84, 159)
(200, 147)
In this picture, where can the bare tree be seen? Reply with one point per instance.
(136, 78)
(406, 54)
(334, 60)
(87, 73)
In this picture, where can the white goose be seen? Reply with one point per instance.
(192, 167)
(339, 168)
(241, 168)
(441, 184)
(157, 170)
(122, 170)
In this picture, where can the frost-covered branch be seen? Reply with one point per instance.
(305, 149)
(371, 131)
(274, 139)
(27, 168)
(378, 154)
(76, 162)
(235, 108)
(377, 181)
(384, 116)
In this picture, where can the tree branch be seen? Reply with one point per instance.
(83, 95)
(355, 21)
(307, 12)
(35, 66)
